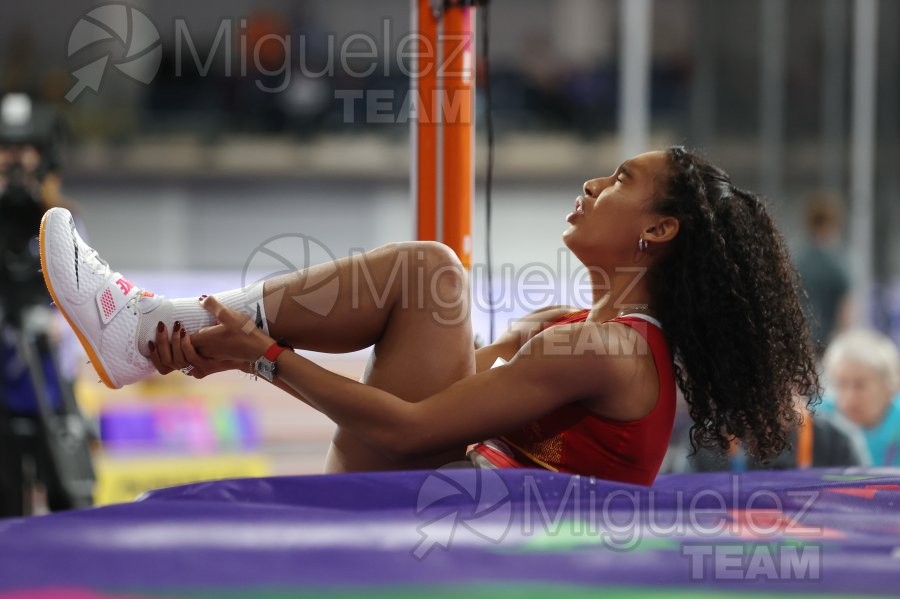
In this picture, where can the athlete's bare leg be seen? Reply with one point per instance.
(408, 300)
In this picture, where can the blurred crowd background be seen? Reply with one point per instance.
(246, 133)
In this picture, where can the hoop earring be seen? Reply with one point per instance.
(642, 244)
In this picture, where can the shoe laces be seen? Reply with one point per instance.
(133, 302)
(101, 267)
(96, 263)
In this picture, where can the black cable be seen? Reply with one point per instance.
(489, 179)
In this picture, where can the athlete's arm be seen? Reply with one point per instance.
(547, 373)
(518, 334)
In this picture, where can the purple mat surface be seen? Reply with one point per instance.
(814, 531)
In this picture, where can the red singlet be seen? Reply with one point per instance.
(575, 440)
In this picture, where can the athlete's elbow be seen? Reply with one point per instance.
(386, 437)
(406, 439)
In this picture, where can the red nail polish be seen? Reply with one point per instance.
(182, 333)
(160, 327)
(177, 325)
(151, 345)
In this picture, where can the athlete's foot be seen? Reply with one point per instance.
(104, 308)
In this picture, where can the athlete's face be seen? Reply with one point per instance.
(862, 394)
(614, 211)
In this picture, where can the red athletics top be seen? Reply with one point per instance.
(575, 440)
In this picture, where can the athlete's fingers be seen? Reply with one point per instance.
(230, 318)
(178, 360)
(190, 353)
(163, 346)
(219, 312)
(155, 360)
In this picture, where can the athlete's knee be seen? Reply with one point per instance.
(445, 283)
(428, 274)
(443, 267)
(438, 255)
(428, 257)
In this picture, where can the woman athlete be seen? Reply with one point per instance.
(691, 284)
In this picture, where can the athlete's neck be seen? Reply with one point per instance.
(621, 292)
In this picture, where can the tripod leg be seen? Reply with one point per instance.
(76, 489)
(47, 439)
(12, 482)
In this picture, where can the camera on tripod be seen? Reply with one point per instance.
(30, 140)
(43, 435)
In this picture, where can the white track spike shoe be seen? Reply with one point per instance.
(101, 306)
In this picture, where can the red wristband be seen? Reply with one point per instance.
(274, 351)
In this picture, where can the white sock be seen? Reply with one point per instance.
(191, 314)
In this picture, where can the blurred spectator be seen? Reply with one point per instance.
(863, 371)
(823, 271)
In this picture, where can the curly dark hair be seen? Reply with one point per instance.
(729, 301)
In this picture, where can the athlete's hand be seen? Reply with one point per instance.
(202, 367)
(165, 353)
(234, 337)
(178, 353)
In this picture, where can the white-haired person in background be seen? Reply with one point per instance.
(862, 368)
